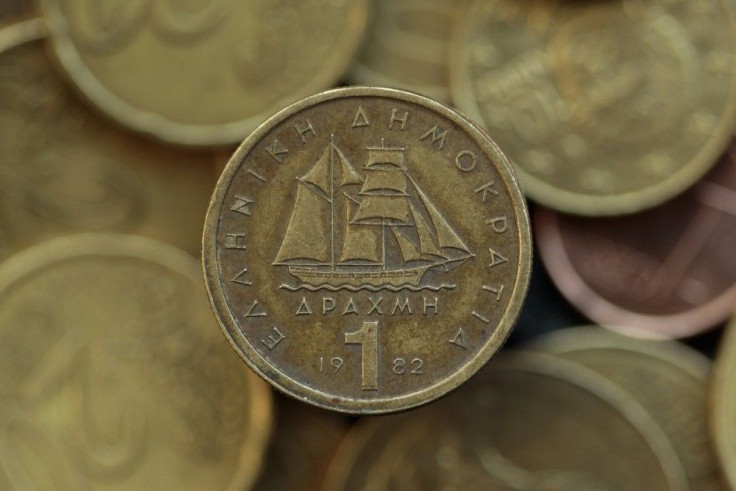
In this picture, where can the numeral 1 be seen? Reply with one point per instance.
(367, 337)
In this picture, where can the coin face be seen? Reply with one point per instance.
(669, 380)
(199, 72)
(723, 405)
(407, 46)
(117, 379)
(367, 250)
(604, 107)
(667, 272)
(526, 422)
(65, 170)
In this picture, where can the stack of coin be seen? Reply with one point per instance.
(367, 249)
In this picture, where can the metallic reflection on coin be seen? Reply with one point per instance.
(367, 250)
(667, 272)
(112, 376)
(604, 107)
(527, 422)
(723, 405)
(202, 72)
(304, 441)
(668, 379)
(63, 169)
(407, 46)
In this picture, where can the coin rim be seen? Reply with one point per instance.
(544, 365)
(589, 204)
(153, 125)
(302, 391)
(78, 246)
(578, 292)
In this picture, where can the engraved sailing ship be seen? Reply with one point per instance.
(375, 231)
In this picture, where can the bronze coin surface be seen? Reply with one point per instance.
(604, 108)
(367, 250)
(666, 272)
(408, 46)
(668, 379)
(723, 404)
(202, 72)
(527, 422)
(112, 376)
(63, 169)
(11, 9)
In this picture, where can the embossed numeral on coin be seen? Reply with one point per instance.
(415, 367)
(335, 362)
(367, 337)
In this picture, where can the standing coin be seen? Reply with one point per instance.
(668, 379)
(667, 272)
(723, 405)
(63, 169)
(111, 376)
(528, 422)
(367, 250)
(604, 107)
(408, 45)
(202, 72)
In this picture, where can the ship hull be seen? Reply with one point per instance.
(360, 279)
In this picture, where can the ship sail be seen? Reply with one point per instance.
(446, 237)
(343, 242)
(308, 235)
(361, 242)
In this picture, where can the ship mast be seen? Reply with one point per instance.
(333, 262)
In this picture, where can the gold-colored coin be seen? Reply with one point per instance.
(64, 169)
(604, 107)
(112, 376)
(367, 250)
(408, 46)
(668, 379)
(202, 72)
(304, 441)
(723, 405)
(527, 422)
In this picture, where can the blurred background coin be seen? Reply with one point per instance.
(367, 250)
(407, 46)
(64, 169)
(112, 376)
(668, 379)
(202, 72)
(667, 272)
(723, 404)
(304, 441)
(605, 108)
(10, 9)
(526, 422)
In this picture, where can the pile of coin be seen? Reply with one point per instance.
(367, 248)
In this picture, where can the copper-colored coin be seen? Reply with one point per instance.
(202, 72)
(668, 379)
(112, 376)
(667, 272)
(367, 250)
(527, 422)
(604, 107)
(63, 169)
(408, 46)
(304, 441)
(723, 405)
